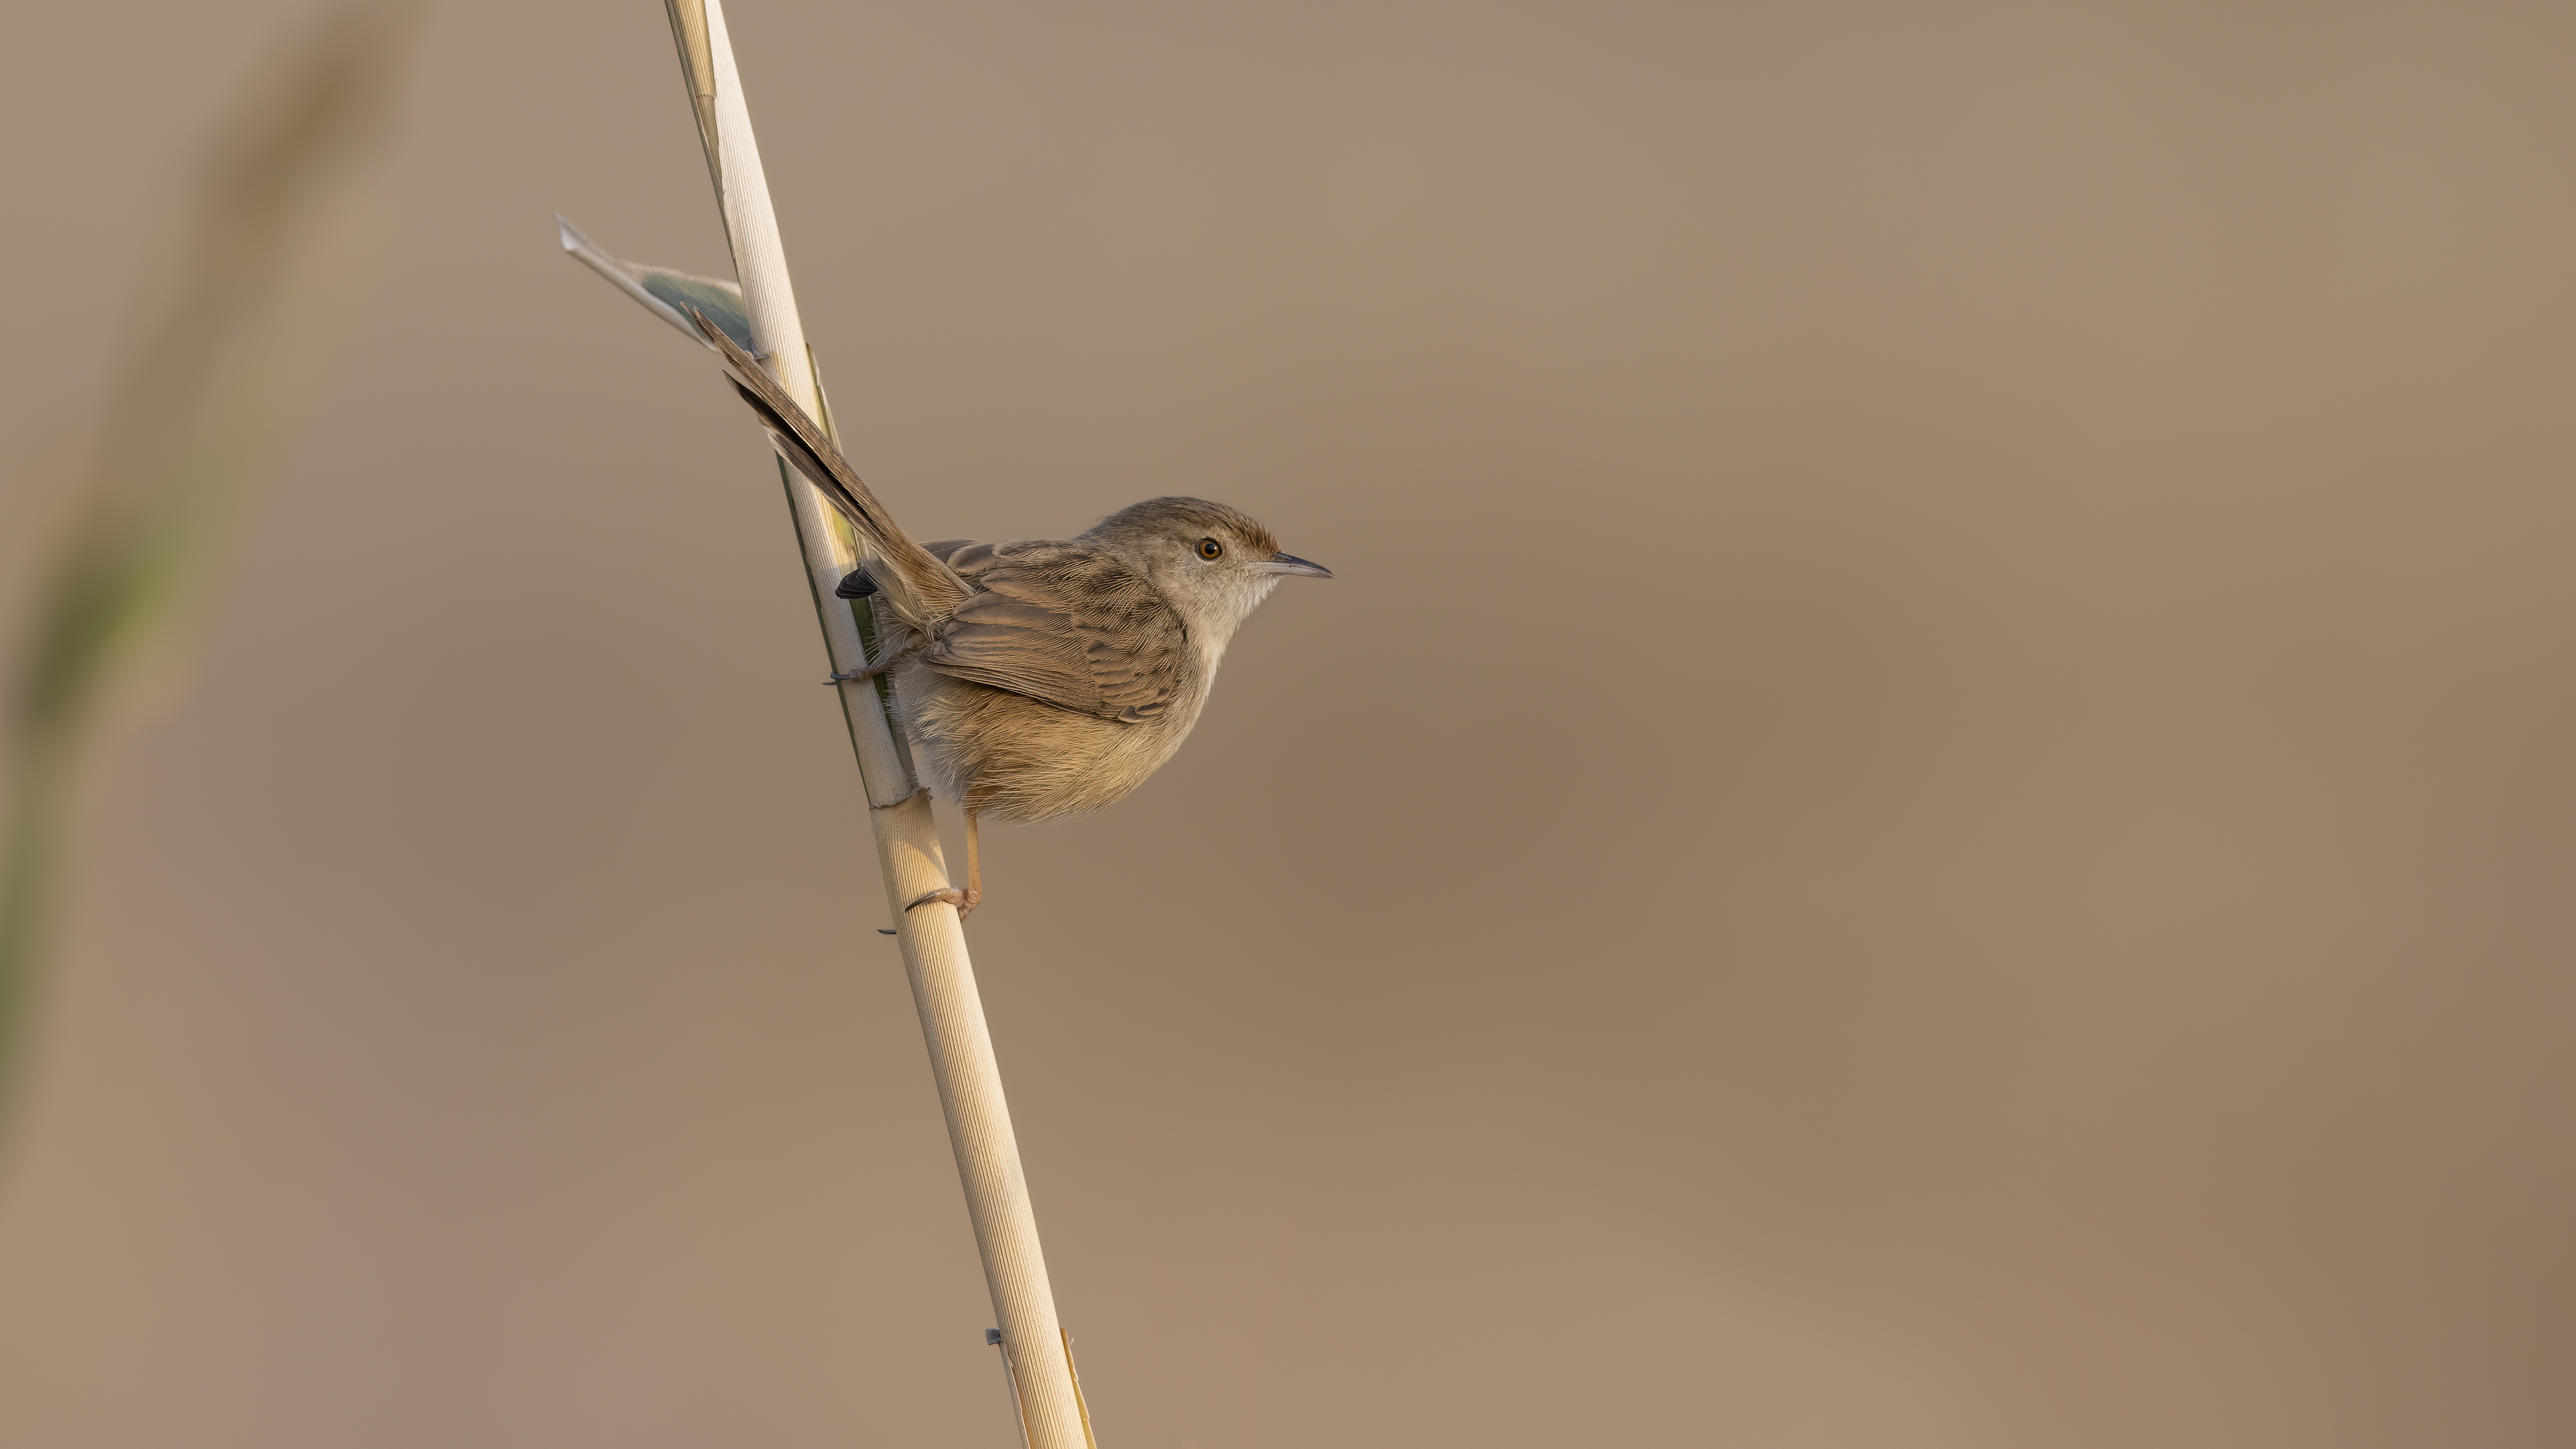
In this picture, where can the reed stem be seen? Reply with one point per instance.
(907, 838)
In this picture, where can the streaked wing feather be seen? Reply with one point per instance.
(1070, 629)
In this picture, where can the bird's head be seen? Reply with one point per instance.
(1215, 564)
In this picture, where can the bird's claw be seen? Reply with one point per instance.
(965, 901)
(852, 676)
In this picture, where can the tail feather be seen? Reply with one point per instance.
(920, 585)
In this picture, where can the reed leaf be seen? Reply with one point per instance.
(664, 291)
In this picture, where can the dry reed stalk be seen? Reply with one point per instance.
(763, 307)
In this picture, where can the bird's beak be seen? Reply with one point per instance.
(1289, 563)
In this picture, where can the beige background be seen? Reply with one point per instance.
(1934, 809)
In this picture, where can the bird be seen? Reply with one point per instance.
(1035, 678)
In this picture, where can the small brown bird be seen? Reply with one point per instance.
(1041, 677)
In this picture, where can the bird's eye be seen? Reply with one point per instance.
(1211, 549)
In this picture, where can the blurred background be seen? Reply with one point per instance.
(1933, 810)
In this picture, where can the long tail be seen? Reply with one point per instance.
(926, 589)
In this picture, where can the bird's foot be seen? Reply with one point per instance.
(965, 901)
(917, 792)
(852, 676)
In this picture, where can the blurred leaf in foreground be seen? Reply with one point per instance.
(189, 422)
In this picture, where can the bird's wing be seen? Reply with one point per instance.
(924, 587)
(1067, 625)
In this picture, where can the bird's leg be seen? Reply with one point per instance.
(873, 670)
(968, 899)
